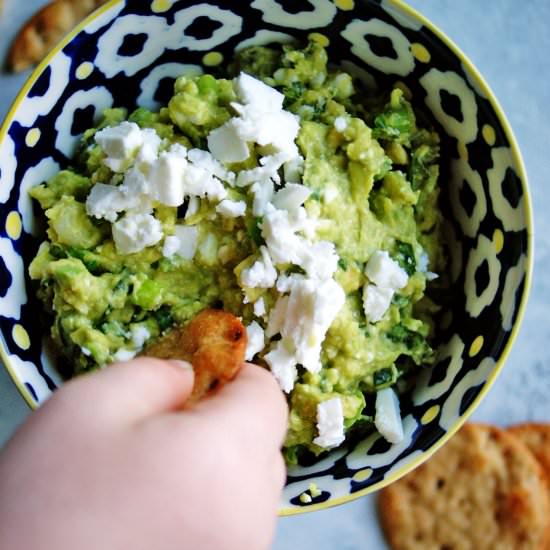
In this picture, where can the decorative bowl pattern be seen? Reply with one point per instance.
(128, 53)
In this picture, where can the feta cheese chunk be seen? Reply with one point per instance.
(262, 274)
(148, 151)
(119, 142)
(388, 417)
(294, 169)
(105, 201)
(259, 307)
(319, 260)
(182, 243)
(136, 231)
(198, 182)
(231, 209)
(124, 355)
(261, 119)
(292, 196)
(139, 335)
(256, 340)
(263, 193)
(385, 272)
(304, 317)
(205, 160)
(330, 423)
(226, 145)
(193, 207)
(166, 176)
(254, 92)
(283, 366)
(376, 301)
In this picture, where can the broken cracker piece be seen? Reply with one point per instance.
(214, 342)
(45, 29)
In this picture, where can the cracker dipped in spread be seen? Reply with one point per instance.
(214, 342)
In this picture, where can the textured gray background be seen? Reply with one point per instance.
(509, 43)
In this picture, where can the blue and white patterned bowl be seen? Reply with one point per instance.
(127, 54)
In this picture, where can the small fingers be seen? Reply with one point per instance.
(130, 391)
(252, 407)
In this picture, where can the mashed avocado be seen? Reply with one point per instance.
(114, 279)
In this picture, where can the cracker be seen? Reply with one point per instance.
(214, 342)
(45, 29)
(482, 490)
(536, 436)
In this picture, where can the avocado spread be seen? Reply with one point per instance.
(284, 193)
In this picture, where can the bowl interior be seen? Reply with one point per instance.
(128, 55)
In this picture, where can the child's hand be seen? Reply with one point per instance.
(110, 463)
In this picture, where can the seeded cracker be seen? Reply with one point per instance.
(482, 490)
(45, 29)
(537, 438)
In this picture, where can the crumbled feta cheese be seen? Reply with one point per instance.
(277, 317)
(105, 201)
(256, 340)
(193, 207)
(278, 129)
(262, 274)
(166, 176)
(119, 143)
(304, 317)
(279, 228)
(140, 335)
(261, 120)
(205, 160)
(124, 355)
(388, 417)
(294, 169)
(268, 169)
(259, 307)
(376, 301)
(182, 243)
(231, 209)
(385, 272)
(285, 283)
(330, 423)
(263, 193)
(280, 236)
(319, 260)
(198, 182)
(136, 231)
(292, 196)
(226, 145)
(340, 124)
(282, 365)
(148, 151)
(254, 92)
(135, 187)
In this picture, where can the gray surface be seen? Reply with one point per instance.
(509, 43)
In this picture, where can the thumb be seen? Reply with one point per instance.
(131, 391)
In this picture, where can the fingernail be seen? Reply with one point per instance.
(185, 365)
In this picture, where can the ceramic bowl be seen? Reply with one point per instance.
(128, 53)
